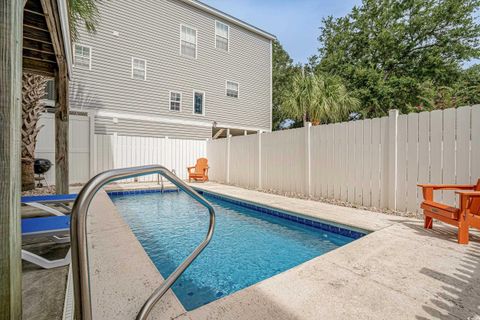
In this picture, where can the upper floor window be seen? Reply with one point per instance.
(232, 89)
(175, 101)
(139, 69)
(198, 102)
(50, 94)
(222, 33)
(83, 56)
(188, 41)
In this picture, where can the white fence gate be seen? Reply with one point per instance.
(79, 146)
(374, 162)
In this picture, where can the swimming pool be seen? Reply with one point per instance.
(251, 243)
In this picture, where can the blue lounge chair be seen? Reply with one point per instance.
(56, 226)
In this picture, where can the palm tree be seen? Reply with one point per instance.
(319, 99)
(302, 97)
(33, 90)
(83, 11)
(334, 102)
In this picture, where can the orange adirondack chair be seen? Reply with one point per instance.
(199, 171)
(464, 217)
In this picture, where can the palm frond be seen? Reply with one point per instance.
(83, 11)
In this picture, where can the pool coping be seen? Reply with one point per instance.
(115, 254)
(359, 272)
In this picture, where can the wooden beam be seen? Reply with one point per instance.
(32, 12)
(11, 17)
(62, 105)
(61, 130)
(32, 44)
(39, 56)
(219, 132)
(39, 67)
(34, 5)
(38, 35)
(34, 20)
(31, 26)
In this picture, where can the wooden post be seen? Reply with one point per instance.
(61, 129)
(11, 35)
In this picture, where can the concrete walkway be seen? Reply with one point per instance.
(399, 271)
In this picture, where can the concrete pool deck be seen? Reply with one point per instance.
(399, 271)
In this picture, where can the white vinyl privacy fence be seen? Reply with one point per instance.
(79, 146)
(374, 162)
(91, 153)
(113, 151)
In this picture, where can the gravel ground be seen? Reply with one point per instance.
(337, 202)
(39, 191)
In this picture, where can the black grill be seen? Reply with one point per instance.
(41, 166)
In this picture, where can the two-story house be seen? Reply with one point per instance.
(176, 68)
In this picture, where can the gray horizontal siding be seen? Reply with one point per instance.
(151, 30)
(127, 127)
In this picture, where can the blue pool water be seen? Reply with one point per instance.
(248, 246)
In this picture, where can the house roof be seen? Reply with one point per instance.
(227, 17)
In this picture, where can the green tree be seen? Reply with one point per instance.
(83, 11)
(318, 99)
(283, 71)
(469, 85)
(465, 92)
(385, 49)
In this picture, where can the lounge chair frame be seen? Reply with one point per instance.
(465, 216)
(57, 235)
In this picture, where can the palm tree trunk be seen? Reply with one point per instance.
(28, 176)
(33, 91)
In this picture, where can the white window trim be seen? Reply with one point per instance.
(170, 101)
(193, 103)
(89, 57)
(226, 88)
(196, 41)
(145, 79)
(49, 102)
(228, 36)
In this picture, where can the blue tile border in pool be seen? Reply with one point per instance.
(344, 231)
(141, 191)
(289, 216)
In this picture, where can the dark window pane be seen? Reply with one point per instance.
(198, 106)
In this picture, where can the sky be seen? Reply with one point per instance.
(294, 22)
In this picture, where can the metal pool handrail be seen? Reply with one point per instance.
(78, 235)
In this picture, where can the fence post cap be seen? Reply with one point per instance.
(393, 112)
